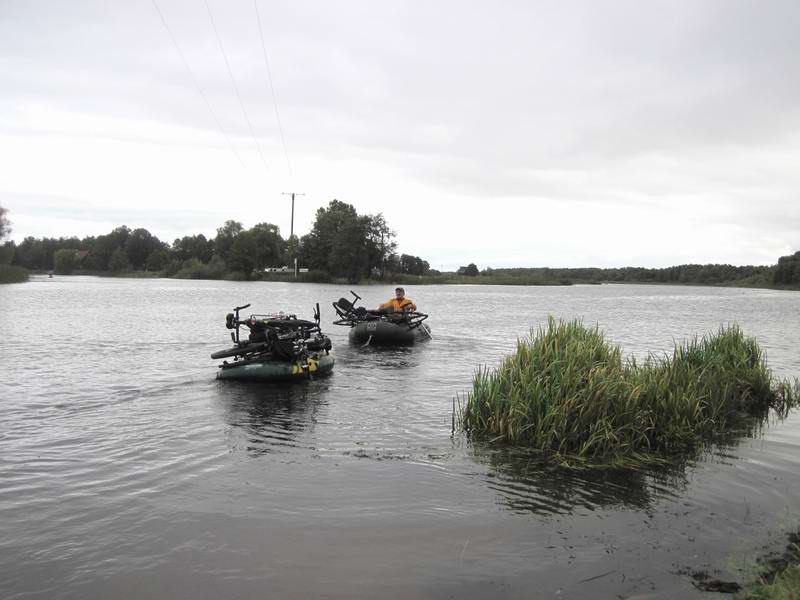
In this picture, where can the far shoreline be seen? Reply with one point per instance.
(424, 280)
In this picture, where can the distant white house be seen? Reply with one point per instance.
(283, 269)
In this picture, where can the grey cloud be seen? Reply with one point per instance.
(168, 222)
(475, 100)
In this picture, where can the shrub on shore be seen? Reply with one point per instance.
(568, 392)
(195, 269)
(13, 274)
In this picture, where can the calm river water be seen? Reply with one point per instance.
(127, 471)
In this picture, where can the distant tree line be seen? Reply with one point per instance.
(712, 274)
(341, 244)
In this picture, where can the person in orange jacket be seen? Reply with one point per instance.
(399, 303)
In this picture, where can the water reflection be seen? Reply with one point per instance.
(381, 357)
(271, 417)
(525, 484)
(114, 480)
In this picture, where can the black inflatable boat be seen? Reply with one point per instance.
(278, 347)
(381, 327)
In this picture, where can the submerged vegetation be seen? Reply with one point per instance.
(570, 394)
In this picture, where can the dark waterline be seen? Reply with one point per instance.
(126, 470)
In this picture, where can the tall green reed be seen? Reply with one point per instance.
(568, 392)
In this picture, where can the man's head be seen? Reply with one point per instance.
(399, 293)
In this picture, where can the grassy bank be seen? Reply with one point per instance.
(12, 274)
(211, 271)
(783, 586)
(781, 579)
(570, 394)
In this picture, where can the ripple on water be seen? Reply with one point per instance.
(124, 465)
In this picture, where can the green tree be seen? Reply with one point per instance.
(268, 245)
(193, 246)
(5, 224)
(103, 248)
(7, 253)
(226, 235)
(347, 244)
(242, 255)
(350, 254)
(413, 265)
(139, 245)
(65, 261)
(157, 260)
(30, 254)
(118, 261)
(471, 270)
(317, 246)
(787, 270)
(381, 244)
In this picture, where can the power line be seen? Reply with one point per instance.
(271, 87)
(197, 83)
(235, 87)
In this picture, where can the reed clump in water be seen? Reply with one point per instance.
(569, 392)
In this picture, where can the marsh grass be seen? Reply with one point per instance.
(570, 394)
(785, 586)
(781, 580)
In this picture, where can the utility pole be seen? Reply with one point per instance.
(291, 231)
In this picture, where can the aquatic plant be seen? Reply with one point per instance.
(568, 392)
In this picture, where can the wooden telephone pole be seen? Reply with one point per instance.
(291, 231)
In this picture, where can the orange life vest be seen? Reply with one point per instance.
(399, 305)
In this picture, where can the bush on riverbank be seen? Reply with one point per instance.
(195, 269)
(12, 274)
(570, 393)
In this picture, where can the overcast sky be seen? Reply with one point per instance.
(502, 133)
